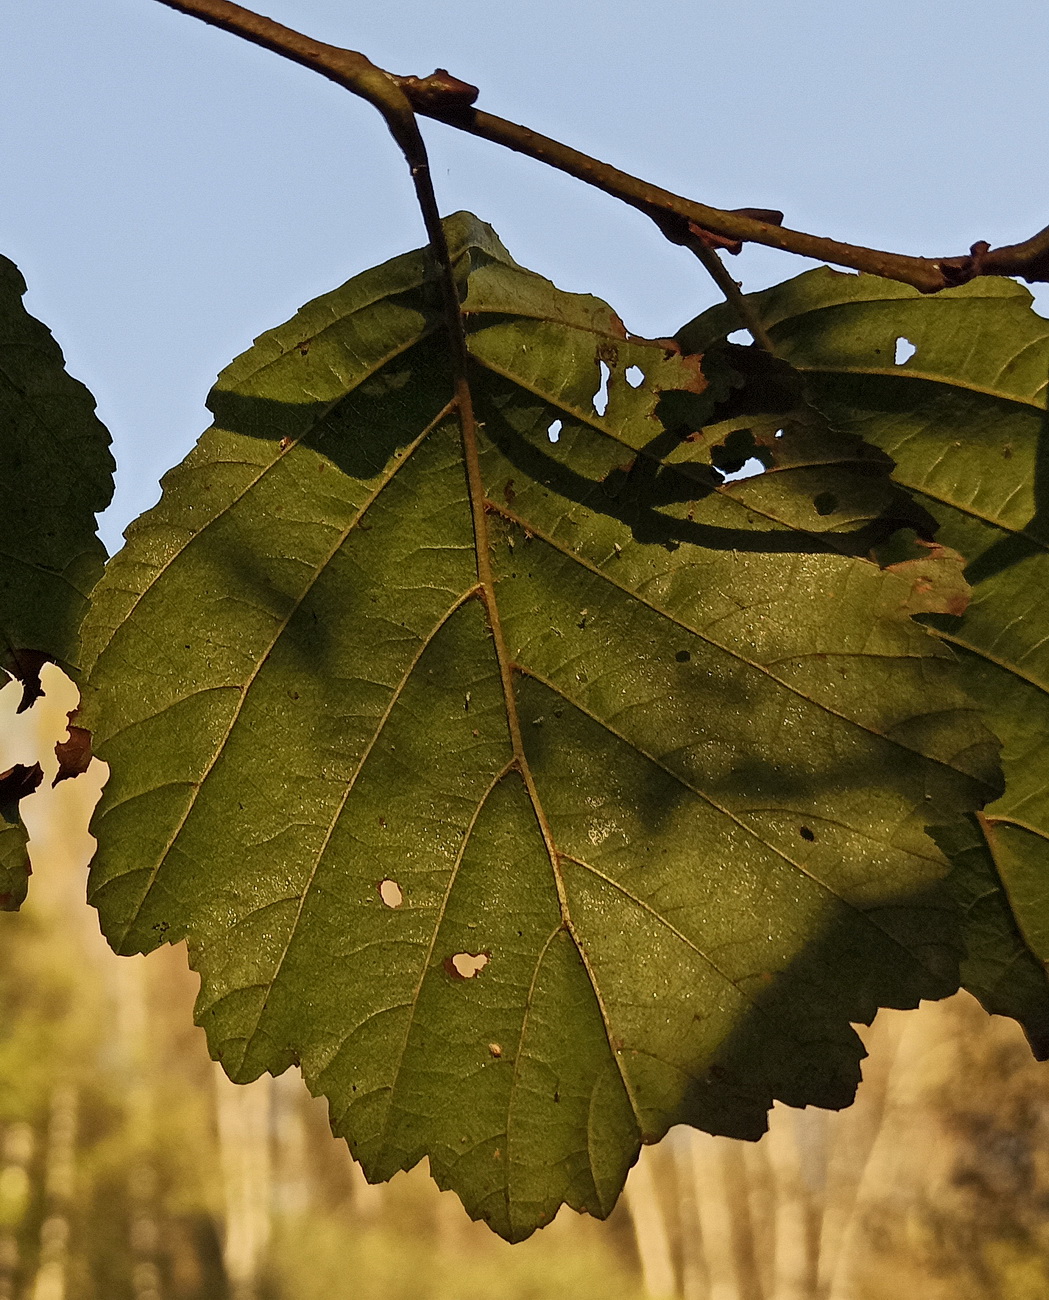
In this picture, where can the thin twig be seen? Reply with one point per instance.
(683, 233)
(447, 99)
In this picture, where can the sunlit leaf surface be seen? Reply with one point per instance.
(522, 872)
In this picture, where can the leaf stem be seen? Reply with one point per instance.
(379, 88)
(449, 100)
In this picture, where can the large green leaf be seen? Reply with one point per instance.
(964, 417)
(523, 875)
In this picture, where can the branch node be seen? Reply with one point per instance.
(960, 270)
(440, 93)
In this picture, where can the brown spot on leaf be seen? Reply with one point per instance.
(937, 580)
(495, 1049)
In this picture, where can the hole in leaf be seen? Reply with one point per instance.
(779, 433)
(682, 656)
(635, 376)
(740, 337)
(905, 349)
(740, 456)
(826, 503)
(554, 430)
(390, 893)
(465, 965)
(807, 834)
(601, 396)
(750, 467)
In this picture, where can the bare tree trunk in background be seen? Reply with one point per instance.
(650, 1230)
(291, 1165)
(761, 1203)
(368, 1198)
(896, 1050)
(244, 1122)
(128, 983)
(720, 1190)
(59, 1186)
(855, 1133)
(18, 1144)
(695, 1280)
(794, 1267)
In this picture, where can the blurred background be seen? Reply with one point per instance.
(169, 193)
(131, 1169)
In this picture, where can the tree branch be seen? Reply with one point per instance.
(447, 99)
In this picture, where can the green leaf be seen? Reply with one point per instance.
(964, 418)
(530, 841)
(15, 870)
(56, 473)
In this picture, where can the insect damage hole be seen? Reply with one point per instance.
(600, 398)
(553, 431)
(905, 349)
(391, 894)
(750, 468)
(465, 965)
(740, 337)
(634, 376)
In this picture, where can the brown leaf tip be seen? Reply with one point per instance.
(73, 753)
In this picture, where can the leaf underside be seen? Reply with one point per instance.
(964, 418)
(521, 876)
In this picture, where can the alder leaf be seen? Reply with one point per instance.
(56, 473)
(523, 873)
(953, 387)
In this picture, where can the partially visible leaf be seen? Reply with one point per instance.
(964, 418)
(533, 824)
(15, 784)
(73, 753)
(14, 865)
(56, 473)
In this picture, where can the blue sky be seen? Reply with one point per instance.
(171, 192)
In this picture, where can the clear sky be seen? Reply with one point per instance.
(170, 192)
